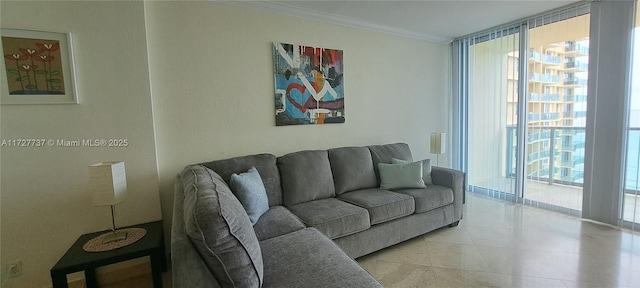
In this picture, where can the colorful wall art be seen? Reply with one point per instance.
(309, 87)
(37, 67)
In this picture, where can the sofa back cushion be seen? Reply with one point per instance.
(306, 176)
(384, 154)
(264, 163)
(352, 169)
(219, 228)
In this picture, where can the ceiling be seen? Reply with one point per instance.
(430, 20)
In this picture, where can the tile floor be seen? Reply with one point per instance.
(500, 244)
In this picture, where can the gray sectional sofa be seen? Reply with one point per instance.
(325, 207)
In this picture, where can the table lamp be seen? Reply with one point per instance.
(108, 186)
(438, 144)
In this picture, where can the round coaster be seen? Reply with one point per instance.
(96, 245)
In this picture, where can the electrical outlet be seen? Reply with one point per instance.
(14, 269)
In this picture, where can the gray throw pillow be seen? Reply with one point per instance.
(426, 168)
(398, 176)
(249, 189)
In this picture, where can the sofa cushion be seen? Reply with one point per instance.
(384, 154)
(264, 163)
(352, 169)
(306, 176)
(277, 221)
(332, 217)
(429, 198)
(382, 205)
(426, 168)
(249, 189)
(306, 258)
(220, 229)
(395, 176)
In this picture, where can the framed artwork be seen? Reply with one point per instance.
(309, 86)
(37, 68)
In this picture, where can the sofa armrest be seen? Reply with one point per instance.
(454, 179)
(187, 267)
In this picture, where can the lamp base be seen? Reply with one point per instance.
(114, 236)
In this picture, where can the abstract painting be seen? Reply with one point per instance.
(309, 86)
(36, 68)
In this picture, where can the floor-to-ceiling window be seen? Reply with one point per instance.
(631, 199)
(526, 132)
(542, 111)
(557, 108)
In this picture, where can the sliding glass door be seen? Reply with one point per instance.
(526, 110)
(557, 110)
(492, 113)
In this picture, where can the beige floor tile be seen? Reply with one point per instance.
(460, 278)
(575, 284)
(456, 256)
(406, 275)
(532, 282)
(459, 235)
(501, 244)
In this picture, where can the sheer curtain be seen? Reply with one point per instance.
(631, 199)
(492, 112)
(607, 110)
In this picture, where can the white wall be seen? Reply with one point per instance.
(213, 90)
(45, 200)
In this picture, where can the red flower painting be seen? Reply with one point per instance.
(33, 66)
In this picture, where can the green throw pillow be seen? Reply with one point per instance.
(426, 168)
(249, 189)
(398, 176)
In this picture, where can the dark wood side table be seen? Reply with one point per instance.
(76, 259)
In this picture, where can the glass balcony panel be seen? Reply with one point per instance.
(575, 81)
(544, 78)
(534, 55)
(576, 65)
(545, 97)
(573, 47)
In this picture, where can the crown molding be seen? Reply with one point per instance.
(289, 10)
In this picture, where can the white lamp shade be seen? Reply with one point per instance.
(438, 142)
(107, 183)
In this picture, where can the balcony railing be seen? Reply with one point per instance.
(545, 97)
(574, 114)
(545, 78)
(559, 141)
(576, 65)
(543, 116)
(545, 58)
(576, 47)
(575, 81)
(575, 98)
(535, 136)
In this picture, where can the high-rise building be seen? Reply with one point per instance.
(556, 109)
